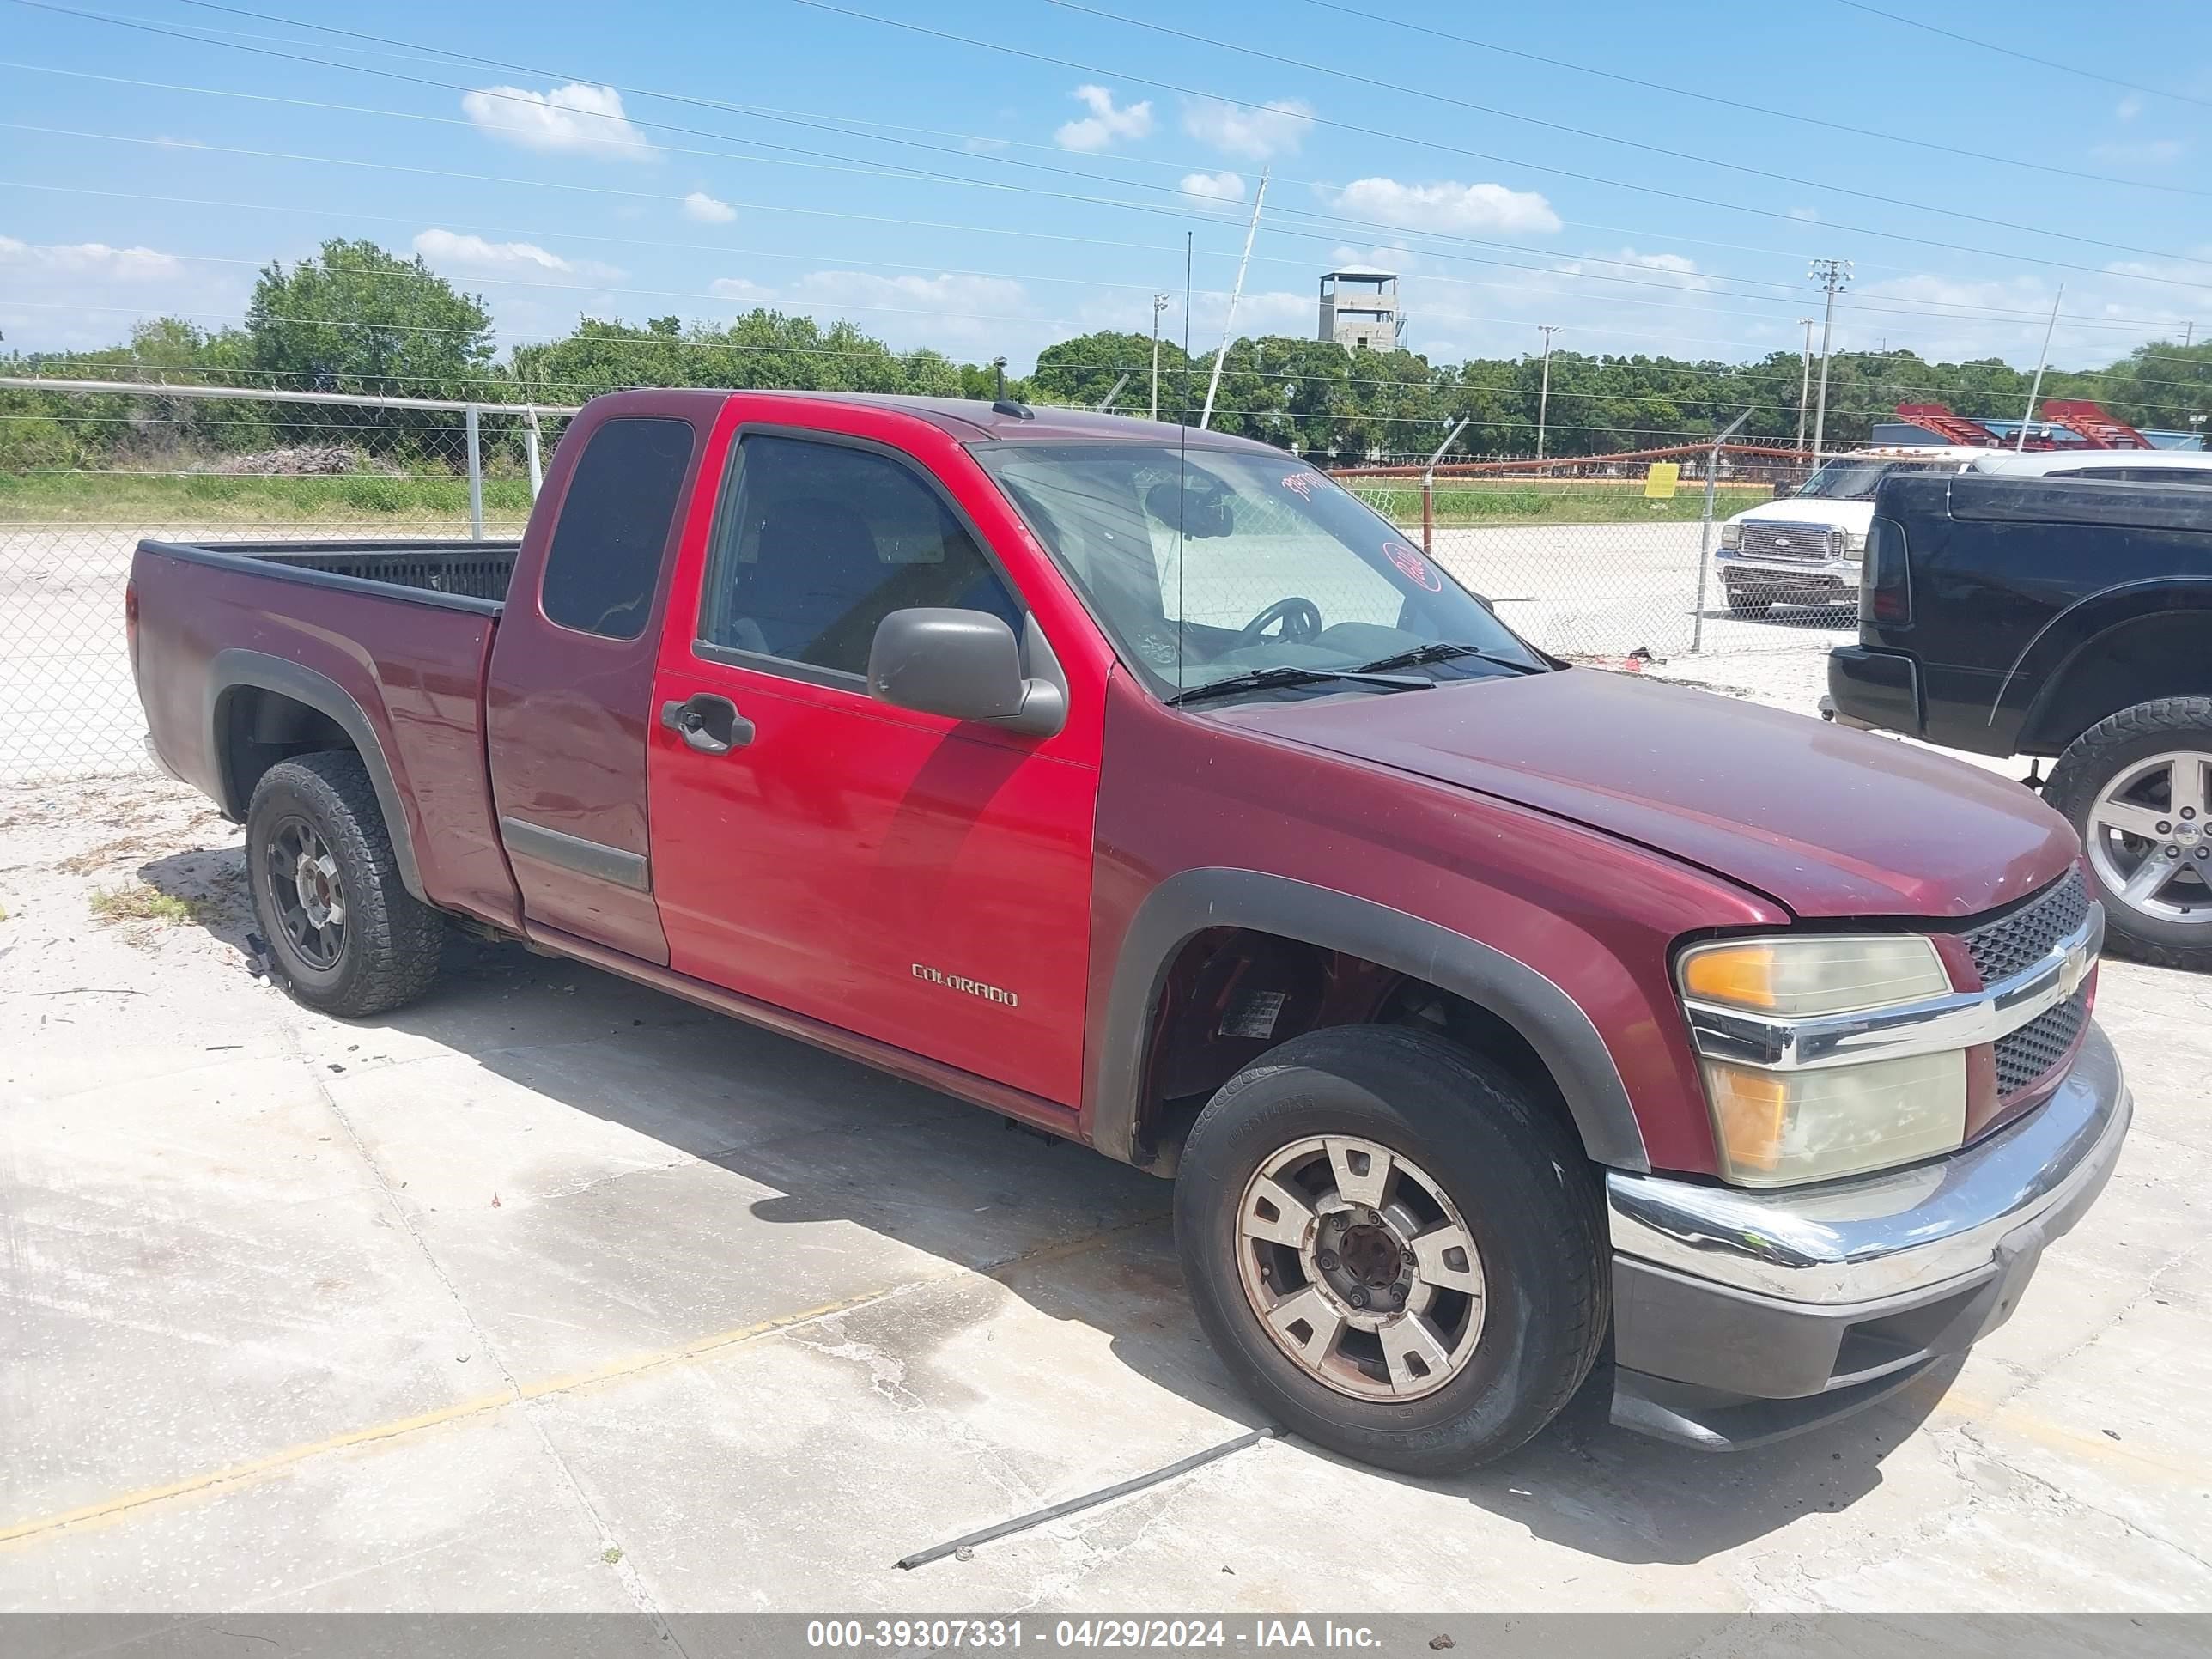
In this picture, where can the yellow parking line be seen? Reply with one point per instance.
(697, 1348)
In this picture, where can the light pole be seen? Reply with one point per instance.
(1544, 397)
(1804, 381)
(1159, 304)
(1832, 275)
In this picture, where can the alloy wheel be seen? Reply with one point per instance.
(1360, 1267)
(2149, 841)
(310, 901)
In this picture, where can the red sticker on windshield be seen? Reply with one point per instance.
(1413, 565)
(1301, 482)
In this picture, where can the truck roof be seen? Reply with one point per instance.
(970, 419)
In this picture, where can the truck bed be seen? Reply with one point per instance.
(471, 570)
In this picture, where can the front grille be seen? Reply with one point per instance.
(2018, 941)
(2040, 1044)
(1791, 541)
(2003, 947)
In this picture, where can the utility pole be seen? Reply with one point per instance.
(2188, 333)
(1544, 397)
(1804, 381)
(1834, 275)
(1159, 304)
(998, 365)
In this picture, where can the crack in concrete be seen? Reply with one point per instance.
(625, 1570)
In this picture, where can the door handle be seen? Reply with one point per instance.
(707, 723)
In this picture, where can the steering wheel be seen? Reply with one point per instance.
(1300, 617)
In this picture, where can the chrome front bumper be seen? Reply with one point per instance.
(1743, 1316)
(1844, 572)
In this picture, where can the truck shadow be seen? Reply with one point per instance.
(1075, 1236)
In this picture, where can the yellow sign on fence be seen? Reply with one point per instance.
(1659, 482)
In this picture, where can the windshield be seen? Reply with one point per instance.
(1854, 479)
(1209, 564)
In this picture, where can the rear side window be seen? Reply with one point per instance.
(605, 556)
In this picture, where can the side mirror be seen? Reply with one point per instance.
(966, 665)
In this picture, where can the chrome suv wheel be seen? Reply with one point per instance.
(1357, 1263)
(2149, 841)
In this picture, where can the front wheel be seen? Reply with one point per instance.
(2138, 788)
(1393, 1247)
(345, 936)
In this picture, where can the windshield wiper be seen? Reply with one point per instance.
(1444, 651)
(1263, 679)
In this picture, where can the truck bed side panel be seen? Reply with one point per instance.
(414, 670)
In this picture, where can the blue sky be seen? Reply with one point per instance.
(951, 192)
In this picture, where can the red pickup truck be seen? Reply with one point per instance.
(1140, 785)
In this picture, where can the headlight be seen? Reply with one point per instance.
(1777, 1124)
(1731, 536)
(1854, 542)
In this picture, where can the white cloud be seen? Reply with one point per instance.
(76, 296)
(452, 247)
(2129, 108)
(1214, 186)
(97, 260)
(706, 210)
(1255, 132)
(1106, 123)
(1450, 206)
(575, 119)
(2152, 152)
(1811, 215)
(738, 291)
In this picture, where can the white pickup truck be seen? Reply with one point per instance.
(1804, 549)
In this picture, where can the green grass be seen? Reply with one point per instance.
(141, 903)
(203, 498)
(1553, 500)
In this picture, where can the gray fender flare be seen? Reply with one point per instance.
(234, 668)
(1188, 903)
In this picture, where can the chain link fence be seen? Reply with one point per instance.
(87, 471)
(1574, 554)
(1580, 560)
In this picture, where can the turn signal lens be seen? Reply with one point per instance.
(1777, 1127)
(1830, 974)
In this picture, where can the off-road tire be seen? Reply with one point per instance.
(1519, 1179)
(2090, 763)
(393, 941)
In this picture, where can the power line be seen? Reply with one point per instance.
(46, 5)
(425, 54)
(1947, 310)
(1538, 166)
(1734, 104)
(1576, 131)
(2025, 57)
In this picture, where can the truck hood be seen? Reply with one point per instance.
(1827, 821)
(1845, 515)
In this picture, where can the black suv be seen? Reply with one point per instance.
(2067, 618)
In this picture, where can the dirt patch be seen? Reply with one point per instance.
(98, 858)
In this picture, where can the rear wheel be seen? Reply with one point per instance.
(1393, 1247)
(345, 936)
(2138, 788)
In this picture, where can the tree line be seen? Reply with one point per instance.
(356, 319)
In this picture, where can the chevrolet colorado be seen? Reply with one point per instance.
(1140, 785)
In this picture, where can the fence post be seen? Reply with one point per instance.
(1705, 530)
(1429, 487)
(475, 475)
(530, 447)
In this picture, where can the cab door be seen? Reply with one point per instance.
(921, 881)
